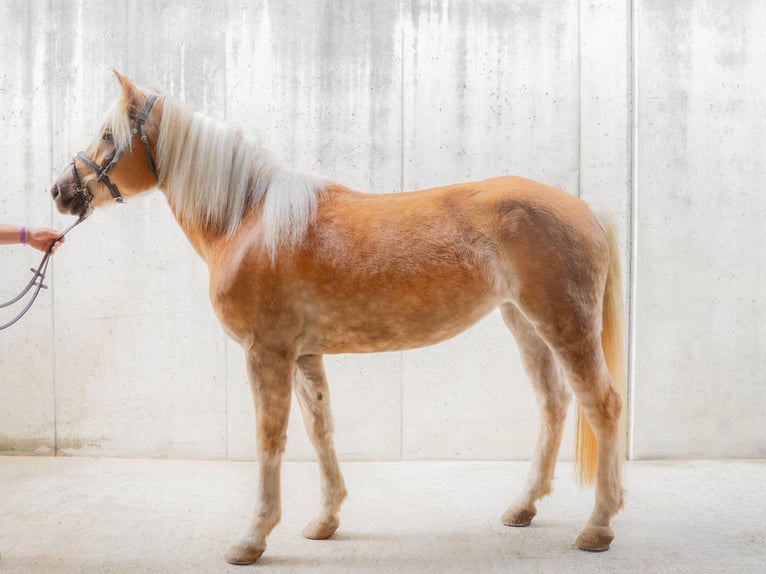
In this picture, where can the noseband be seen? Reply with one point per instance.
(102, 171)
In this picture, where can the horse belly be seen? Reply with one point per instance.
(398, 317)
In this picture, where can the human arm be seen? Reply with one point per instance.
(38, 237)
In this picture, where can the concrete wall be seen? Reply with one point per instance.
(701, 265)
(653, 109)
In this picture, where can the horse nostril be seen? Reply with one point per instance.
(55, 192)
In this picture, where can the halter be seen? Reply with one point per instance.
(102, 171)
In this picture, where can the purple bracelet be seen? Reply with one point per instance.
(23, 235)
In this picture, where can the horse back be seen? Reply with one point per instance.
(382, 272)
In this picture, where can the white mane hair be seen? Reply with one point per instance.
(116, 121)
(213, 175)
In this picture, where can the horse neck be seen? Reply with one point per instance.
(203, 238)
(212, 244)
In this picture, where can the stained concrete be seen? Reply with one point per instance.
(653, 109)
(67, 515)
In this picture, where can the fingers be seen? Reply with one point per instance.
(42, 238)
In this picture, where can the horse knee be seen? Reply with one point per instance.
(271, 430)
(556, 405)
(271, 444)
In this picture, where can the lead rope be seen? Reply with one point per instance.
(38, 274)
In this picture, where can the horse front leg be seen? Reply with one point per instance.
(270, 373)
(314, 399)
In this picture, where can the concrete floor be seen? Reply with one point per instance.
(117, 515)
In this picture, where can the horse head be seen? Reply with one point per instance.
(119, 162)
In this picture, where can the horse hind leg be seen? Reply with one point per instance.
(553, 399)
(314, 399)
(602, 405)
(588, 373)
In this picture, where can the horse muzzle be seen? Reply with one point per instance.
(70, 201)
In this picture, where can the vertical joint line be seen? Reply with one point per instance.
(401, 188)
(632, 31)
(579, 100)
(401, 95)
(227, 439)
(226, 33)
(50, 62)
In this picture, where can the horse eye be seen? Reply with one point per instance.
(106, 136)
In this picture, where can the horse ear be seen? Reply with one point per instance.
(129, 90)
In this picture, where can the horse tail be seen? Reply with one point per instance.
(613, 346)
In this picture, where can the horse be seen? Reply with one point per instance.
(300, 266)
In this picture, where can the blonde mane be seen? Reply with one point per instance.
(117, 122)
(213, 175)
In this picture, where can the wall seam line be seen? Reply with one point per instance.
(227, 440)
(54, 367)
(579, 99)
(401, 188)
(632, 219)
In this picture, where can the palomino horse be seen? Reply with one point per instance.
(300, 267)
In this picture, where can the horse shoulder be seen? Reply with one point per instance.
(241, 278)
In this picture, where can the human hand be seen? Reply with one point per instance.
(42, 237)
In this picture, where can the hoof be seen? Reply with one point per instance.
(242, 553)
(595, 538)
(515, 516)
(321, 529)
